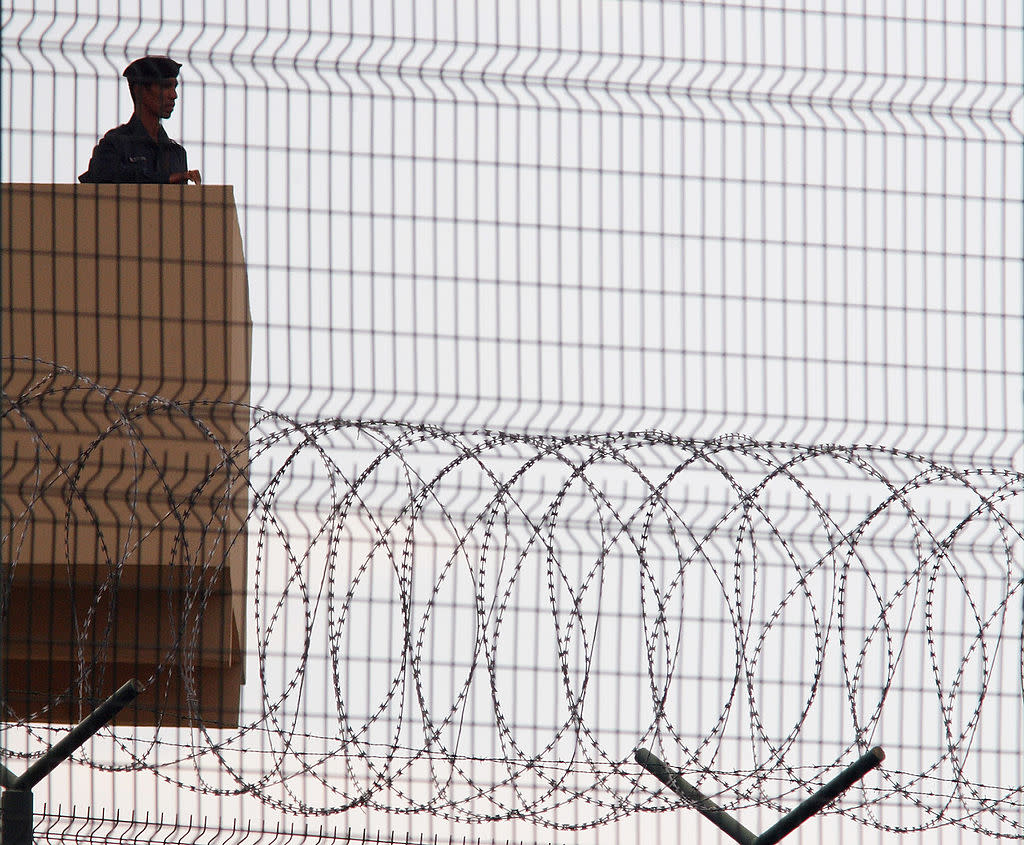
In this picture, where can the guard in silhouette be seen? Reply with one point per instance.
(139, 151)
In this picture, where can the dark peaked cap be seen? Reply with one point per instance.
(150, 69)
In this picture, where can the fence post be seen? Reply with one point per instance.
(16, 802)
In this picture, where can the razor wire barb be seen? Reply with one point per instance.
(441, 575)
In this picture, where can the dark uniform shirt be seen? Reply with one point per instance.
(128, 154)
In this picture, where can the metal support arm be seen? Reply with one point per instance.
(16, 803)
(784, 826)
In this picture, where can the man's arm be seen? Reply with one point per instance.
(180, 173)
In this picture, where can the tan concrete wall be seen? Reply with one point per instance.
(124, 519)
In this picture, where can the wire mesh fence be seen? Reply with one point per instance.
(593, 377)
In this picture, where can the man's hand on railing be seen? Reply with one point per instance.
(186, 176)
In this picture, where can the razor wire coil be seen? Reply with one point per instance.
(850, 557)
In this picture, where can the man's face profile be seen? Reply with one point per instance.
(159, 97)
